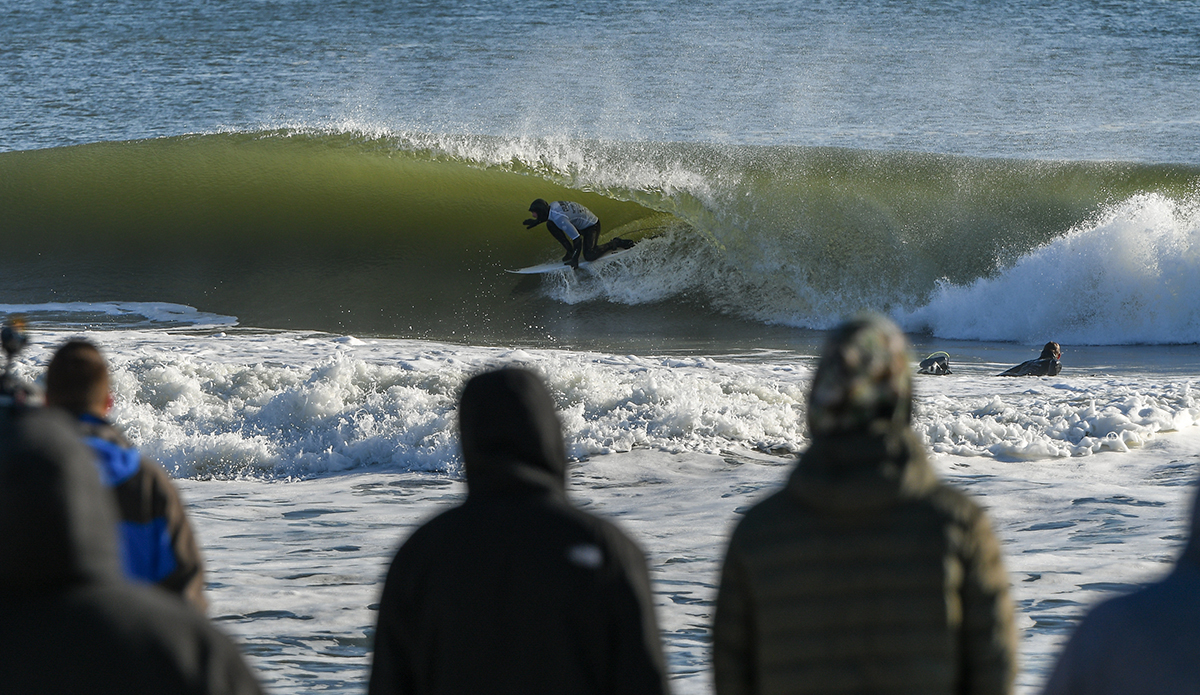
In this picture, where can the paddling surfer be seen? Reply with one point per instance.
(1045, 365)
(575, 227)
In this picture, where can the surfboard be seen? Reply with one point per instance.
(559, 266)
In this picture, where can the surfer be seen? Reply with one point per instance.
(575, 227)
(938, 363)
(1046, 365)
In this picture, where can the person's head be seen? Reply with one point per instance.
(1052, 350)
(863, 382)
(540, 210)
(77, 379)
(57, 522)
(508, 420)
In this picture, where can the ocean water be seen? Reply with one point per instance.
(288, 224)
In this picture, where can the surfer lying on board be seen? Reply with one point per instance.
(1046, 365)
(575, 227)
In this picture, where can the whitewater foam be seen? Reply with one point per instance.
(1130, 277)
(230, 404)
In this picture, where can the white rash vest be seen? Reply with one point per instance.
(571, 217)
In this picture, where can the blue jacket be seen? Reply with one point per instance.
(72, 624)
(157, 545)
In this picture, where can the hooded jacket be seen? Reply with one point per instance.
(69, 621)
(516, 590)
(1147, 642)
(865, 574)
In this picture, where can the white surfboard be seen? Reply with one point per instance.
(559, 266)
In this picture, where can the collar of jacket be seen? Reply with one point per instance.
(509, 477)
(90, 419)
(862, 471)
(94, 426)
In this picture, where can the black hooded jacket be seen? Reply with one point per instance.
(69, 621)
(516, 590)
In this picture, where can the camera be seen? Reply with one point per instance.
(15, 392)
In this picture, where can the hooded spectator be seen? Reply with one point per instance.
(1144, 643)
(865, 573)
(516, 590)
(157, 543)
(72, 624)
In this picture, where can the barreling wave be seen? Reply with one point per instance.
(410, 234)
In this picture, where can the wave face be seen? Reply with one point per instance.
(410, 234)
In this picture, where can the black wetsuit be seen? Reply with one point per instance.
(1045, 365)
(578, 230)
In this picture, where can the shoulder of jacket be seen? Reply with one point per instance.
(106, 431)
(762, 518)
(955, 504)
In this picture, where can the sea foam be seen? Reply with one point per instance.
(298, 405)
(1130, 277)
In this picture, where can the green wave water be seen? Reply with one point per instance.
(410, 234)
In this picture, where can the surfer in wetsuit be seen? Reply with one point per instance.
(938, 363)
(1046, 365)
(575, 227)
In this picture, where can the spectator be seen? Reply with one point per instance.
(865, 574)
(71, 623)
(516, 590)
(1144, 642)
(157, 544)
